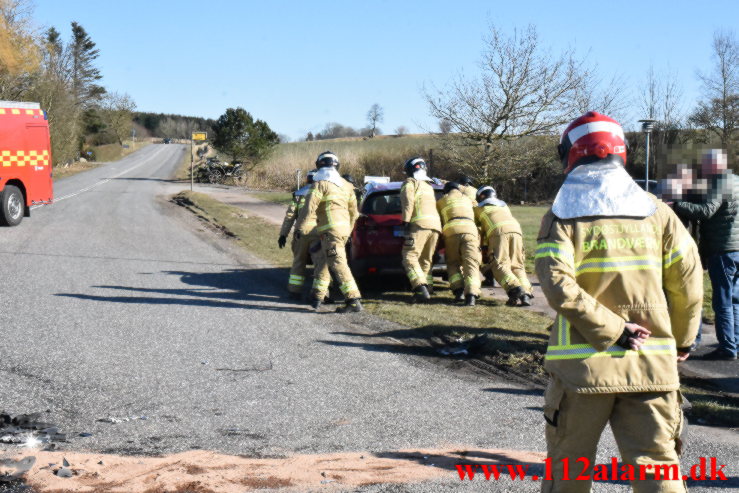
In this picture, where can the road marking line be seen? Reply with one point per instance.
(101, 182)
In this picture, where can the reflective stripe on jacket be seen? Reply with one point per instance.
(457, 216)
(333, 207)
(291, 215)
(418, 204)
(497, 220)
(598, 273)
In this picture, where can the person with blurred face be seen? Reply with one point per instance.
(719, 245)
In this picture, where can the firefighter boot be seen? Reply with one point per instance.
(353, 305)
(421, 294)
(526, 299)
(469, 300)
(514, 294)
(316, 303)
(458, 295)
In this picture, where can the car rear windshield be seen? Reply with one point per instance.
(386, 202)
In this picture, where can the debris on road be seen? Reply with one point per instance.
(115, 421)
(28, 430)
(11, 469)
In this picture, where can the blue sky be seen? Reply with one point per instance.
(301, 64)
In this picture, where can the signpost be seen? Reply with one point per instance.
(199, 136)
(647, 126)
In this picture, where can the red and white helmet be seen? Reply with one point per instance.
(590, 138)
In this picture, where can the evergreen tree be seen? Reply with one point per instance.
(242, 137)
(84, 72)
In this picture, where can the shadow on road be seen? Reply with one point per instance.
(514, 391)
(230, 288)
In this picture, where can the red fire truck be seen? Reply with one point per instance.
(25, 160)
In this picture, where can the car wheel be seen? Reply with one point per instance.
(12, 205)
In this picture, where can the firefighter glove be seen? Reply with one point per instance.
(282, 241)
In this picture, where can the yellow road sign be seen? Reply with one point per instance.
(199, 136)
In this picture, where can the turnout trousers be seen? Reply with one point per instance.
(418, 253)
(333, 261)
(301, 249)
(506, 261)
(646, 425)
(463, 262)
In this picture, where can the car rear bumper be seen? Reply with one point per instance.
(376, 265)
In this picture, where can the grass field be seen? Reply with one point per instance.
(113, 152)
(383, 155)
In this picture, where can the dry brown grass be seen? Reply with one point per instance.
(383, 155)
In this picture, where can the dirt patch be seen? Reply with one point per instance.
(208, 472)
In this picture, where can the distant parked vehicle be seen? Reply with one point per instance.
(25, 157)
(167, 141)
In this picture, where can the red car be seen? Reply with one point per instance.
(377, 239)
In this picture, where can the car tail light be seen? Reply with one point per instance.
(372, 270)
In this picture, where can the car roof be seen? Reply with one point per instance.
(373, 187)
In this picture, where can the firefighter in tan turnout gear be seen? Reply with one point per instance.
(461, 243)
(300, 244)
(503, 236)
(623, 275)
(333, 205)
(421, 226)
(466, 187)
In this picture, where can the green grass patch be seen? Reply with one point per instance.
(183, 170)
(709, 405)
(512, 339)
(530, 218)
(283, 198)
(251, 232)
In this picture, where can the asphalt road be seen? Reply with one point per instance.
(118, 304)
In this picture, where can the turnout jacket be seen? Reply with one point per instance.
(418, 205)
(302, 224)
(333, 208)
(496, 220)
(470, 192)
(293, 210)
(457, 216)
(600, 272)
(719, 229)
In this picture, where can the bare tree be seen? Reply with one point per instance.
(375, 115)
(117, 112)
(660, 99)
(445, 126)
(401, 130)
(718, 112)
(523, 91)
(607, 97)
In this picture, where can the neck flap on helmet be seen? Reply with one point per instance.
(329, 174)
(601, 189)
